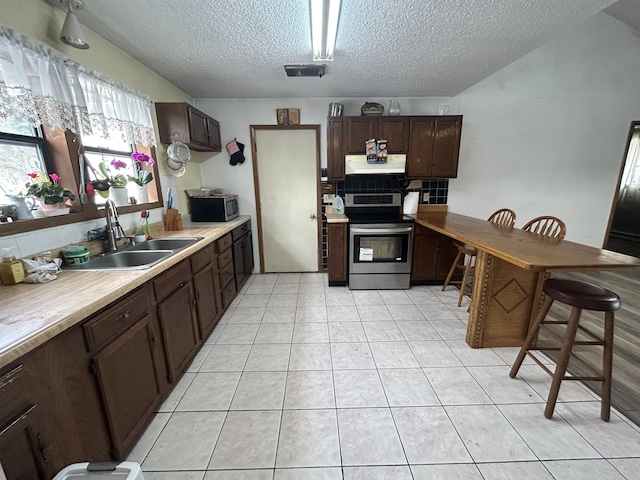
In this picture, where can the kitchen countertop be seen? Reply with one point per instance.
(336, 217)
(31, 314)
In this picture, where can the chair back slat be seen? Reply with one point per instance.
(546, 225)
(504, 217)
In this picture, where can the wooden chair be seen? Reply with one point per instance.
(546, 225)
(579, 296)
(503, 217)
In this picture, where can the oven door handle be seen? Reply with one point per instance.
(378, 231)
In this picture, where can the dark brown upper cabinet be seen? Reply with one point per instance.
(434, 146)
(196, 129)
(357, 130)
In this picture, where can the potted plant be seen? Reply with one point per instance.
(143, 177)
(47, 190)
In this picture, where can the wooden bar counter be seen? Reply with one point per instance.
(510, 268)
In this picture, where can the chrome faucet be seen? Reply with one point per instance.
(114, 229)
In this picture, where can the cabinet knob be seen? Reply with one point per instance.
(312, 216)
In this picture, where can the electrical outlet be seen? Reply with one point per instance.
(328, 197)
(415, 184)
(425, 197)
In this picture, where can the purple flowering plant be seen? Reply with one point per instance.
(113, 172)
(143, 175)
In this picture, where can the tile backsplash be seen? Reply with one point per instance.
(436, 188)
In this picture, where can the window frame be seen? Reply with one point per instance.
(60, 153)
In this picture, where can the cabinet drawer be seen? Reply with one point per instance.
(226, 275)
(239, 231)
(116, 319)
(201, 259)
(224, 258)
(170, 281)
(12, 391)
(228, 294)
(223, 243)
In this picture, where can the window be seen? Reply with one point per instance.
(22, 151)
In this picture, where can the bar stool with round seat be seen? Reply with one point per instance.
(580, 296)
(503, 217)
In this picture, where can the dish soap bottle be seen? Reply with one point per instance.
(11, 268)
(338, 205)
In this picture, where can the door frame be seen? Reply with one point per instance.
(634, 124)
(256, 182)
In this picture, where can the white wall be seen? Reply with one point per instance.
(546, 134)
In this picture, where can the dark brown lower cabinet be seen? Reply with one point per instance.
(242, 253)
(432, 256)
(128, 380)
(22, 452)
(337, 253)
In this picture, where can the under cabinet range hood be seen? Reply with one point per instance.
(358, 164)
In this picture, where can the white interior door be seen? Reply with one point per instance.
(287, 180)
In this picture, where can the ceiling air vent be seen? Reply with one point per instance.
(305, 70)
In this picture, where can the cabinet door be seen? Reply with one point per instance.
(395, 131)
(179, 329)
(337, 253)
(424, 260)
(207, 299)
(248, 253)
(22, 452)
(335, 152)
(213, 129)
(238, 263)
(128, 381)
(198, 128)
(446, 147)
(421, 137)
(446, 255)
(357, 130)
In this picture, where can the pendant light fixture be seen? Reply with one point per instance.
(324, 27)
(71, 33)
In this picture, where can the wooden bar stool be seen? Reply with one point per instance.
(503, 217)
(580, 296)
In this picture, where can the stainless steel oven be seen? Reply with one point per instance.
(380, 240)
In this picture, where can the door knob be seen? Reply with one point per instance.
(312, 216)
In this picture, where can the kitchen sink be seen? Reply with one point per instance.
(165, 244)
(137, 257)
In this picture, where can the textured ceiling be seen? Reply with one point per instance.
(393, 48)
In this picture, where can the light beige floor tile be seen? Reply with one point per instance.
(260, 288)
(509, 471)
(428, 436)
(308, 438)
(310, 356)
(268, 357)
(312, 277)
(311, 333)
(186, 442)
(311, 299)
(540, 381)
(629, 467)
(421, 330)
(247, 315)
(275, 333)
(238, 333)
(407, 388)
(382, 332)
(434, 353)
(423, 296)
(487, 434)
(279, 314)
(393, 355)
(288, 278)
(374, 313)
(342, 313)
(405, 312)
(248, 440)
(226, 358)
(260, 391)
(450, 329)
(311, 313)
(286, 288)
(446, 472)
(395, 297)
(503, 389)
(582, 469)
(351, 356)
(316, 288)
(346, 332)
(199, 359)
(359, 388)
(174, 475)
(456, 386)
(259, 300)
(537, 431)
(149, 437)
(474, 357)
(367, 297)
(264, 278)
(209, 391)
(283, 300)
(239, 475)
(330, 473)
(368, 437)
(309, 389)
(339, 298)
(398, 472)
(171, 402)
(438, 312)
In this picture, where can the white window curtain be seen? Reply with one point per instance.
(40, 85)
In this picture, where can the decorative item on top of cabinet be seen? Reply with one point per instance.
(337, 253)
(434, 146)
(197, 130)
(433, 254)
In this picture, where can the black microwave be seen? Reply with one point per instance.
(214, 208)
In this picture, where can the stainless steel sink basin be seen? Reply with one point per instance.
(124, 260)
(165, 244)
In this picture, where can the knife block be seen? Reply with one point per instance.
(172, 220)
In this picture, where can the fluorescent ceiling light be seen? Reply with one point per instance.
(324, 27)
